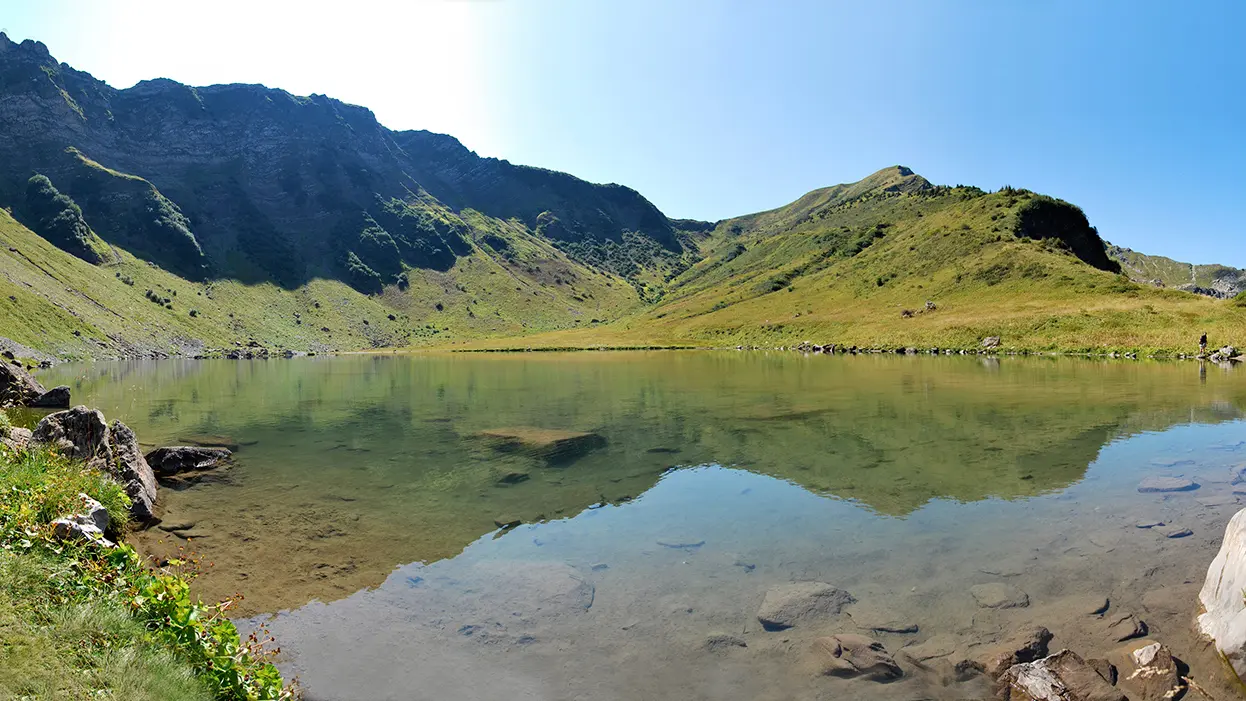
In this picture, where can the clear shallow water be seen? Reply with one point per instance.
(363, 487)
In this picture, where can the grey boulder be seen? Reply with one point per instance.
(55, 398)
(84, 434)
(171, 460)
(17, 387)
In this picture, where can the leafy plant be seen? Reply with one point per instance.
(38, 486)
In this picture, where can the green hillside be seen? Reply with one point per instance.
(59, 304)
(855, 265)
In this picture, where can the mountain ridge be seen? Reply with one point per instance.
(242, 214)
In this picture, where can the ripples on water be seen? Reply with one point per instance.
(366, 497)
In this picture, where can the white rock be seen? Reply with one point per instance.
(1224, 620)
(87, 526)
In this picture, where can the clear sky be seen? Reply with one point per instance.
(1135, 110)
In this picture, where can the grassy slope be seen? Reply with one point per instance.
(46, 295)
(767, 279)
(1172, 273)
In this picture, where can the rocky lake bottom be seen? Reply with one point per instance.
(693, 525)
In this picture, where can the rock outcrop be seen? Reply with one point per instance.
(84, 434)
(1224, 617)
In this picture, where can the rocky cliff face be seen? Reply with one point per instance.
(255, 184)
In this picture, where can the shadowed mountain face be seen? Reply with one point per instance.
(372, 461)
(252, 183)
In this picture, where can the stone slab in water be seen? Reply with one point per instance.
(1166, 484)
(786, 605)
(555, 445)
(998, 595)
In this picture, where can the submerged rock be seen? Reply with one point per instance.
(786, 605)
(852, 656)
(1157, 484)
(722, 643)
(1221, 597)
(172, 460)
(998, 595)
(1063, 676)
(1173, 531)
(554, 445)
(881, 620)
(934, 648)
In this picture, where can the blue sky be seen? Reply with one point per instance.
(1133, 110)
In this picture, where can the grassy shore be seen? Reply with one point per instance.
(81, 621)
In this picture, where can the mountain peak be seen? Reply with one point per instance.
(895, 178)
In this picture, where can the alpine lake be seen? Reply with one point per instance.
(607, 525)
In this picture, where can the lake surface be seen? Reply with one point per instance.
(364, 505)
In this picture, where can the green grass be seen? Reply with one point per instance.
(80, 621)
(51, 649)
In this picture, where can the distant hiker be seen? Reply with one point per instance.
(1202, 344)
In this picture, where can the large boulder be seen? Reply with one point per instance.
(173, 460)
(79, 433)
(786, 605)
(55, 398)
(133, 472)
(1063, 676)
(1224, 617)
(17, 387)
(84, 434)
